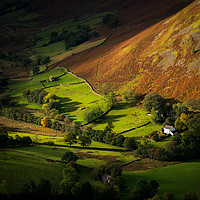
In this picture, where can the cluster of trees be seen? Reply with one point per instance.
(51, 104)
(3, 80)
(182, 146)
(130, 96)
(157, 136)
(24, 59)
(55, 37)
(51, 101)
(111, 20)
(96, 112)
(42, 60)
(8, 141)
(79, 36)
(20, 114)
(162, 112)
(186, 121)
(6, 100)
(93, 114)
(144, 189)
(70, 138)
(105, 136)
(35, 96)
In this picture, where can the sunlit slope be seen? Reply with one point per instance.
(164, 57)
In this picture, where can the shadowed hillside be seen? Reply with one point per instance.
(148, 55)
(155, 48)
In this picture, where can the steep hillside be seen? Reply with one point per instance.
(161, 57)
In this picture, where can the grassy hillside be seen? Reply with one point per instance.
(73, 92)
(176, 179)
(17, 169)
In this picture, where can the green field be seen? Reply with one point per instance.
(124, 117)
(176, 179)
(145, 130)
(19, 165)
(70, 25)
(17, 169)
(75, 98)
(59, 140)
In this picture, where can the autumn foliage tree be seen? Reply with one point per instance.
(45, 122)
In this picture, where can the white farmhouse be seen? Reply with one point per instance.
(169, 130)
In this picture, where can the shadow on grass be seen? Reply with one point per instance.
(121, 106)
(111, 118)
(68, 105)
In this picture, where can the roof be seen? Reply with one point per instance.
(168, 127)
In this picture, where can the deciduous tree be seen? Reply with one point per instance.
(70, 138)
(84, 140)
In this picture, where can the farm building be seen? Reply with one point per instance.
(106, 179)
(169, 130)
(51, 78)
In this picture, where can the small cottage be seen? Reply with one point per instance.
(106, 178)
(170, 130)
(51, 78)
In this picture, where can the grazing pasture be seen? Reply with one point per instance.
(176, 179)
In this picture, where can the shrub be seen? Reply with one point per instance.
(152, 100)
(130, 143)
(74, 38)
(69, 156)
(95, 34)
(93, 114)
(111, 20)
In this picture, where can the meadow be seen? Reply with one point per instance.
(176, 179)
(20, 164)
(76, 98)
(58, 49)
(17, 169)
(73, 92)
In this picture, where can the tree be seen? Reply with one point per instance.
(145, 189)
(130, 96)
(29, 188)
(190, 195)
(45, 122)
(53, 37)
(110, 100)
(120, 140)
(130, 143)
(4, 138)
(50, 97)
(111, 20)
(69, 156)
(84, 141)
(167, 196)
(86, 191)
(44, 187)
(93, 114)
(70, 138)
(36, 70)
(153, 100)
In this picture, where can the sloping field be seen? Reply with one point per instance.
(75, 95)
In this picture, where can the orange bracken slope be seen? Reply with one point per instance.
(162, 57)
